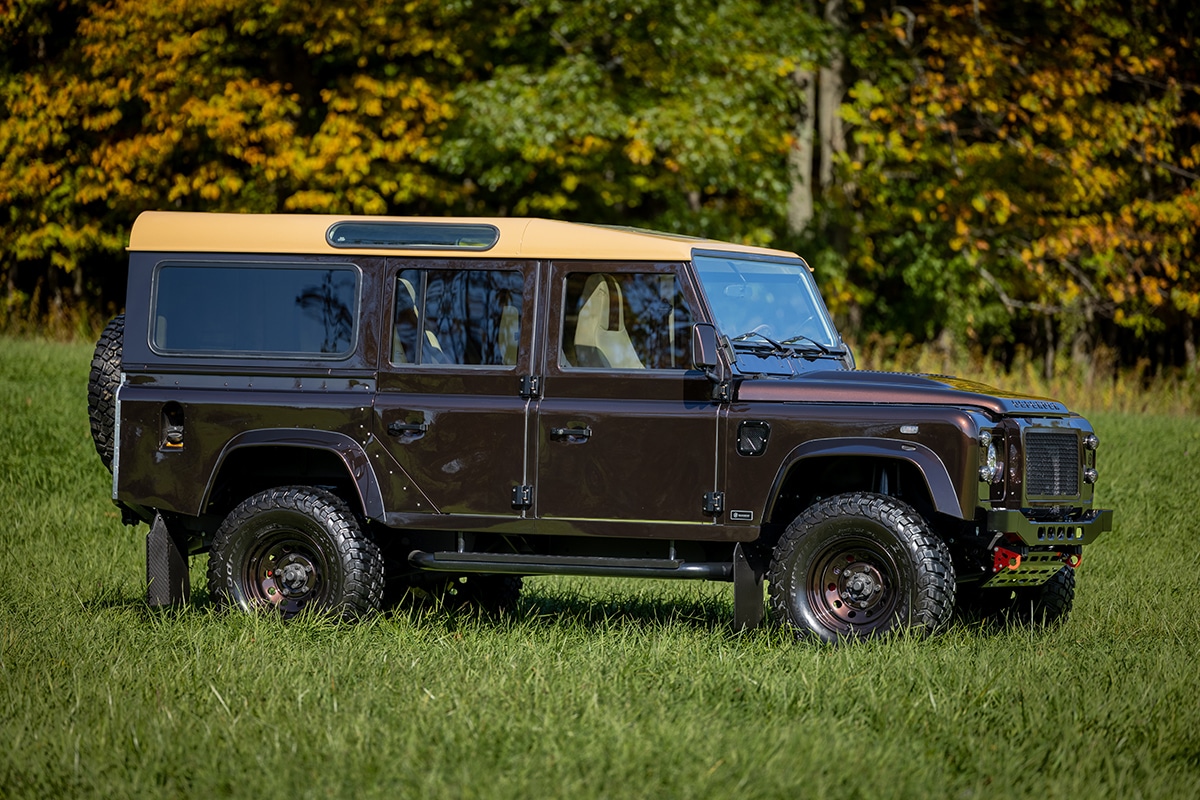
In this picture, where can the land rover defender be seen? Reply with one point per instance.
(343, 409)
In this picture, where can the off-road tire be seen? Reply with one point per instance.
(295, 548)
(103, 380)
(1024, 606)
(860, 565)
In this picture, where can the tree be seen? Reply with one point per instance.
(670, 115)
(1026, 169)
(215, 105)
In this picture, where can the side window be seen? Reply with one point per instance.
(468, 317)
(625, 321)
(255, 310)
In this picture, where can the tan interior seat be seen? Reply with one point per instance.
(601, 339)
(508, 333)
(433, 349)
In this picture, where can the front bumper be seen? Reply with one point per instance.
(1029, 552)
(1041, 533)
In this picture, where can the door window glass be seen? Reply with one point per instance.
(625, 321)
(468, 317)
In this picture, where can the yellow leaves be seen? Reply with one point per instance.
(639, 151)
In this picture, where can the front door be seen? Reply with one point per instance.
(626, 431)
(450, 409)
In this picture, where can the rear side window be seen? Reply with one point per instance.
(255, 310)
(468, 317)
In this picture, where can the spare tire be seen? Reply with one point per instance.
(103, 381)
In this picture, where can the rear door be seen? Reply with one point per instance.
(450, 409)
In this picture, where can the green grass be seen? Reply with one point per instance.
(593, 688)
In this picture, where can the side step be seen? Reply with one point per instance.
(518, 564)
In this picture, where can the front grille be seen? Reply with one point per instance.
(1051, 464)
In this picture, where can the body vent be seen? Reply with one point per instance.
(1051, 464)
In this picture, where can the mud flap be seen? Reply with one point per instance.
(748, 609)
(167, 580)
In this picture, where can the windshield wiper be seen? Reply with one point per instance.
(826, 349)
(742, 337)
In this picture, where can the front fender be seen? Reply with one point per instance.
(946, 499)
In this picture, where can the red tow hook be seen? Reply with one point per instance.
(1006, 559)
(1073, 560)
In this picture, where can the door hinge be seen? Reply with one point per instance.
(714, 503)
(522, 496)
(531, 386)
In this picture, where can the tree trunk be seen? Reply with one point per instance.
(831, 88)
(800, 156)
(1189, 344)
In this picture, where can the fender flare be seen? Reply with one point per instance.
(348, 451)
(932, 469)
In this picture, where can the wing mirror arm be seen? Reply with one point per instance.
(705, 357)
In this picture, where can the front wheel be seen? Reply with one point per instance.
(295, 548)
(860, 565)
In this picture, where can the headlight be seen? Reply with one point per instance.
(991, 471)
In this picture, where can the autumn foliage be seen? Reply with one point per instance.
(1002, 174)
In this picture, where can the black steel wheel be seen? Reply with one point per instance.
(103, 380)
(860, 565)
(295, 548)
(1027, 606)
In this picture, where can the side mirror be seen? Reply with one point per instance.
(704, 346)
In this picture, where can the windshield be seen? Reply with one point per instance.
(766, 303)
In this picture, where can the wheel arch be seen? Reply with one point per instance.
(806, 470)
(310, 456)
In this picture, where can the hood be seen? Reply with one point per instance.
(895, 388)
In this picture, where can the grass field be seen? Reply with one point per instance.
(593, 688)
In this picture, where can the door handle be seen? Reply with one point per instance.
(406, 428)
(574, 434)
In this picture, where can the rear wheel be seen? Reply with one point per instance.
(295, 548)
(860, 565)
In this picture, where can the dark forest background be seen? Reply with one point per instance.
(1010, 177)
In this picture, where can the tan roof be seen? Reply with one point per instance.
(197, 232)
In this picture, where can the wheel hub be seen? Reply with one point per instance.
(851, 588)
(860, 584)
(290, 575)
(293, 577)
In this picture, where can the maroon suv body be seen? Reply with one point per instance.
(343, 409)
